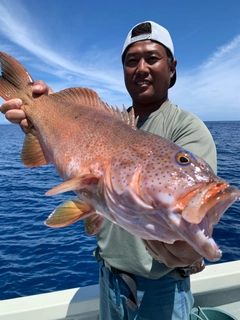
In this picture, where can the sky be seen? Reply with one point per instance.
(76, 43)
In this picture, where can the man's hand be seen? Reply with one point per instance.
(12, 108)
(178, 254)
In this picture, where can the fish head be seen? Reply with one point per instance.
(177, 195)
(195, 199)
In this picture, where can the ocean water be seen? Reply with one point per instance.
(36, 259)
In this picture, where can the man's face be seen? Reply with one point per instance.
(147, 73)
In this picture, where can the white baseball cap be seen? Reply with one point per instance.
(158, 33)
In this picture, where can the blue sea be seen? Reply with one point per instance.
(36, 259)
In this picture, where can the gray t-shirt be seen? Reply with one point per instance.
(125, 251)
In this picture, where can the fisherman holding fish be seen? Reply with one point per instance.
(133, 284)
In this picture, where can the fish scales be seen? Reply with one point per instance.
(146, 184)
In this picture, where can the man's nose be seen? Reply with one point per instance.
(142, 66)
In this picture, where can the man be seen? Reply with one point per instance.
(133, 285)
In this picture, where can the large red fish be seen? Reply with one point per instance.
(146, 184)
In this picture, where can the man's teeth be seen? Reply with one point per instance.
(143, 82)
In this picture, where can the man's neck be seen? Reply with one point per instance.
(143, 110)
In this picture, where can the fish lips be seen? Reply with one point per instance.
(214, 197)
(209, 204)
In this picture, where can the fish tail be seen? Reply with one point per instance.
(14, 77)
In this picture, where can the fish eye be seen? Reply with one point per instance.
(183, 158)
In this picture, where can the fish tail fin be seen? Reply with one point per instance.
(14, 77)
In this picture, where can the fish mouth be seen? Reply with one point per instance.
(196, 203)
(205, 210)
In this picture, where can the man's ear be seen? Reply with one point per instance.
(173, 68)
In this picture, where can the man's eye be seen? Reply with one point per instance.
(132, 60)
(153, 58)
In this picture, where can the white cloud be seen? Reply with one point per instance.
(18, 27)
(212, 90)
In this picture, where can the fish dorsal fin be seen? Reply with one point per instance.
(14, 77)
(89, 98)
(69, 212)
(32, 154)
(129, 118)
(81, 96)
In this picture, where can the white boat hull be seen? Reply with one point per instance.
(217, 286)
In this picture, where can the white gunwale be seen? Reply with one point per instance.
(217, 286)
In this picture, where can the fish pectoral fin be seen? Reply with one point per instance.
(93, 223)
(84, 181)
(69, 212)
(32, 154)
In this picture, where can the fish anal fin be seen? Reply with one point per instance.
(69, 212)
(84, 181)
(32, 154)
(93, 223)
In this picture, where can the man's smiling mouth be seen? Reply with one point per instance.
(143, 82)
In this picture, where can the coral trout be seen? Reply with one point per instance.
(144, 183)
